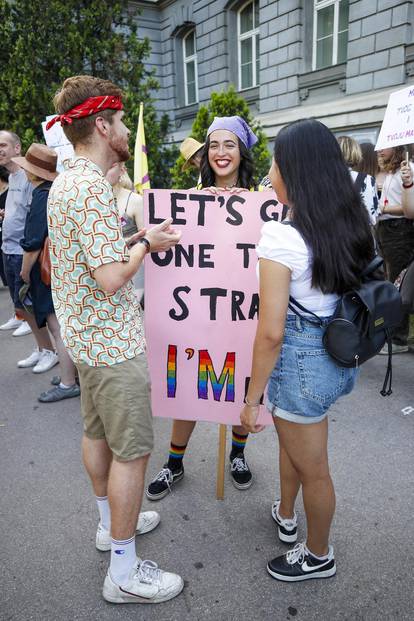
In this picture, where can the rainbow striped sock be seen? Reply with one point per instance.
(175, 458)
(238, 442)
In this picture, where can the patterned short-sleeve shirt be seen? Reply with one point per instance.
(98, 328)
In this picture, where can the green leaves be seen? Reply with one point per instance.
(43, 43)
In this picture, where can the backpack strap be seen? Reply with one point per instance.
(294, 303)
(372, 266)
(388, 375)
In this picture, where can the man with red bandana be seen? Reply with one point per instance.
(101, 325)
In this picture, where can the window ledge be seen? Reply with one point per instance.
(327, 76)
(409, 60)
(185, 112)
(250, 94)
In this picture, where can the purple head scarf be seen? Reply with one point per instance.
(237, 126)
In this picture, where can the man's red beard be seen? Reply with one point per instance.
(120, 147)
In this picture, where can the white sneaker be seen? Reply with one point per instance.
(287, 528)
(31, 361)
(47, 360)
(11, 324)
(22, 330)
(147, 584)
(147, 521)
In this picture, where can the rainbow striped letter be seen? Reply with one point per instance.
(171, 371)
(205, 369)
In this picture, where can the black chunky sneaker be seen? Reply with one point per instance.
(299, 565)
(240, 472)
(287, 528)
(163, 482)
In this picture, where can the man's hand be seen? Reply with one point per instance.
(131, 241)
(162, 236)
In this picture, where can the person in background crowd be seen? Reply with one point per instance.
(130, 204)
(192, 152)
(364, 183)
(101, 326)
(407, 196)
(18, 201)
(315, 258)
(130, 207)
(226, 164)
(4, 185)
(39, 164)
(369, 160)
(395, 231)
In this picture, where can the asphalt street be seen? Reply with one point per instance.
(50, 569)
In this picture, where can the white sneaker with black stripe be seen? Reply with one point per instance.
(287, 528)
(298, 564)
(147, 584)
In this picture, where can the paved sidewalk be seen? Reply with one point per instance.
(51, 571)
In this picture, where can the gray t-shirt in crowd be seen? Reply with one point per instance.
(17, 206)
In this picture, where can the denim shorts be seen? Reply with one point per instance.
(305, 381)
(12, 269)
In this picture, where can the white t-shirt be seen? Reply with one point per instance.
(284, 244)
(392, 192)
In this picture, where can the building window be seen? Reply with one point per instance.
(330, 38)
(248, 38)
(190, 68)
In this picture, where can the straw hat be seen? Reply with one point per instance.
(40, 161)
(188, 148)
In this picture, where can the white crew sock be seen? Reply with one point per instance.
(123, 557)
(104, 511)
(318, 558)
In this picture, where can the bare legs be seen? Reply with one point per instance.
(304, 460)
(289, 484)
(122, 482)
(182, 430)
(41, 335)
(67, 368)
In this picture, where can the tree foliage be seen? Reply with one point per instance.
(45, 42)
(227, 103)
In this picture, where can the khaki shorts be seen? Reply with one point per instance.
(116, 406)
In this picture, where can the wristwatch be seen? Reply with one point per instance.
(146, 243)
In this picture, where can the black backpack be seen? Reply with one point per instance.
(363, 321)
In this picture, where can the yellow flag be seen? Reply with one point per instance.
(141, 176)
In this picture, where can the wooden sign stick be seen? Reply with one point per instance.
(221, 462)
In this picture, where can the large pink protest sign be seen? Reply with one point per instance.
(201, 302)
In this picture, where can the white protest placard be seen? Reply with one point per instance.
(56, 139)
(398, 124)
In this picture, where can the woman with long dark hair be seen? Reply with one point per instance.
(318, 255)
(226, 164)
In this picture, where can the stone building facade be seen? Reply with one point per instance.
(335, 60)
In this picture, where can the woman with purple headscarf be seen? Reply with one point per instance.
(226, 165)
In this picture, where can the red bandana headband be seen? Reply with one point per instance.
(92, 105)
